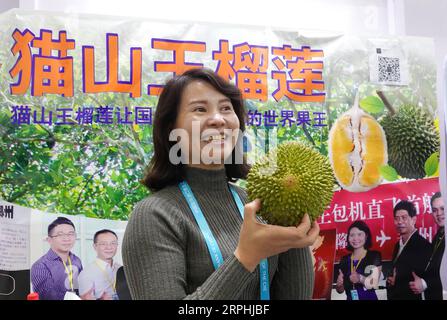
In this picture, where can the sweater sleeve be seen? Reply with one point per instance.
(154, 256)
(295, 277)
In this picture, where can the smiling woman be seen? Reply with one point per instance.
(193, 238)
(359, 272)
(208, 119)
(197, 107)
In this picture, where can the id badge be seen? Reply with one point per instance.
(354, 295)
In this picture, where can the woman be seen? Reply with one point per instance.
(188, 240)
(360, 270)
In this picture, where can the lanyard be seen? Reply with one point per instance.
(213, 247)
(106, 276)
(354, 269)
(69, 272)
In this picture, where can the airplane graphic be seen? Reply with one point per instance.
(382, 238)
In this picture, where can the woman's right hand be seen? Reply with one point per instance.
(258, 241)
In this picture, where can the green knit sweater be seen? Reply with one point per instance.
(166, 257)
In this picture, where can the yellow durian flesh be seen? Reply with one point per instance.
(341, 147)
(357, 149)
(375, 146)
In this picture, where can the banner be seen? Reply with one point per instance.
(78, 94)
(375, 207)
(323, 251)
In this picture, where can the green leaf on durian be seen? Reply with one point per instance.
(388, 173)
(431, 164)
(437, 124)
(372, 104)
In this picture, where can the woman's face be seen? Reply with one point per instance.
(212, 127)
(357, 238)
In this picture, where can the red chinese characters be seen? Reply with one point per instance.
(112, 84)
(45, 72)
(247, 64)
(178, 65)
(375, 207)
(300, 77)
(297, 74)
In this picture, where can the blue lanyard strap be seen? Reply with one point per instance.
(211, 243)
(263, 265)
(213, 248)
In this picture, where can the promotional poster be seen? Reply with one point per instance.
(78, 98)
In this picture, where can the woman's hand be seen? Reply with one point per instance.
(258, 241)
(355, 277)
(339, 285)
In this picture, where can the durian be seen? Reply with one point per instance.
(412, 139)
(291, 180)
(357, 149)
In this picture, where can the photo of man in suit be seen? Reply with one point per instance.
(410, 256)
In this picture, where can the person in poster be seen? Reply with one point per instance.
(56, 272)
(410, 256)
(430, 286)
(357, 269)
(98, 280)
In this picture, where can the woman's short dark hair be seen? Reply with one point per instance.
(407, 206)
(362, 226)
(161, 172)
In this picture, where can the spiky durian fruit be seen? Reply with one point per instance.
(412, 139)
(357, 149)
(291, 180)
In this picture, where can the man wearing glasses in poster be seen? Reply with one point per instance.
(55, 274)
(98, 280)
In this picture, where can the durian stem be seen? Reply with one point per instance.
(386, 102)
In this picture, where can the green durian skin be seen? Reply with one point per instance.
(302, 181)
(412, 138)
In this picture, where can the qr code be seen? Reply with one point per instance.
(389, 69)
